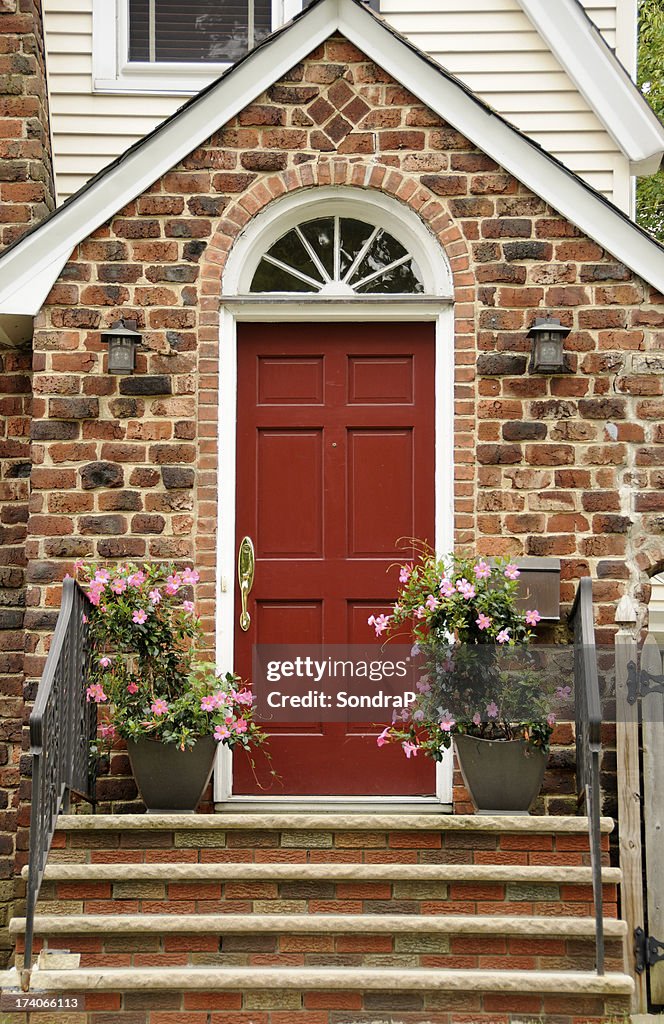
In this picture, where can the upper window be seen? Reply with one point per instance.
(176, 46)
(212, 31)
(338, 256)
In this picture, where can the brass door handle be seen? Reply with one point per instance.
(246, 566)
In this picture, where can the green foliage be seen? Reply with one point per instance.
(650, 191)
(144, 674)
(472, 641)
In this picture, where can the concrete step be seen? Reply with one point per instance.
(331, 822)
(316, 923)
(335, 871)
(329, 979)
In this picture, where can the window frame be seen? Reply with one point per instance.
(113, 72)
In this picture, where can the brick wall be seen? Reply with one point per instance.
(26, 197)
(26, 176)
(568, 465)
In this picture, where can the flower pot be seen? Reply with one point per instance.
(502, 776)
(171, 780)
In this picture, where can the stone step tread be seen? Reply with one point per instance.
(467, 924)
(329, 978)
(331, 822)
(341, 872)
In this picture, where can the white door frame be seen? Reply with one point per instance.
(238, 306)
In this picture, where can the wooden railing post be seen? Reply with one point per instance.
(629, 796)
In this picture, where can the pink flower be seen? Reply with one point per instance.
(107, 732)
(410, 749)
(243, 697)
(190, 577)
(221, 732)
(104, 662)
(563, 692)
(102, 576)
(173, 584)
(418, 715)
(132, 687)
(78, 564)
(137, 579)
(483, 621)
(423, 684)
(492, 709)
(420, 613)
(160, 707)
(477, 718)
(384, 737)
(405, 572)
(94, 593)
(209, 702)
(551, 719)
(155, 596)
(431, 603)
(504, 636)
(512, 571)
(95, 693)
(447, 722)
(533, 617)
(188, 606)
(466, 589)
(119, 586)
(241, 725)
(482, 570)
(379, 623)
(446, 587)
(139, 616)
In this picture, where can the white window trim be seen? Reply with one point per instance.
(112, 72)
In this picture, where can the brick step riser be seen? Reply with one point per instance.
(299, 847)
(528, 953)
(182, 897)
(349, 1007)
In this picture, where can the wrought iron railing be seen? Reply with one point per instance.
(589, 741)
(62, 726)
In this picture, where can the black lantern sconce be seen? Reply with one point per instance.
(547, 336)
(122, 339)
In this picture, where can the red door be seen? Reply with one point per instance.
(335, 463)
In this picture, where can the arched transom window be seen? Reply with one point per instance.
(337, 255)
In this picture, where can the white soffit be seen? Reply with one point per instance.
(30, 268)
(601, 79)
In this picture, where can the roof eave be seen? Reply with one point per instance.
(600, 78)
(31, 266)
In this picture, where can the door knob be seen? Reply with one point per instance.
(246, 566)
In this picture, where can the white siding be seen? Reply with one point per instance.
(489, 44)
(492, 46)
(89, 130)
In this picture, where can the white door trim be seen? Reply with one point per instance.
(442, 314)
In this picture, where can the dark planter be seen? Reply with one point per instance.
(171, 780)
(502, 776)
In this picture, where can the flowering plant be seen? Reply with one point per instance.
(478, 676)
(144, 674)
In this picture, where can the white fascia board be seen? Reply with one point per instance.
(561, 189)
(42, 255)
(601, 79)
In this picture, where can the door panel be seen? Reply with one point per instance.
(335, 463)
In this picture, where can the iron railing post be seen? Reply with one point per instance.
(61, 730)
(588, 715)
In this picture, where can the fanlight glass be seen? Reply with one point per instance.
(338, 256)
